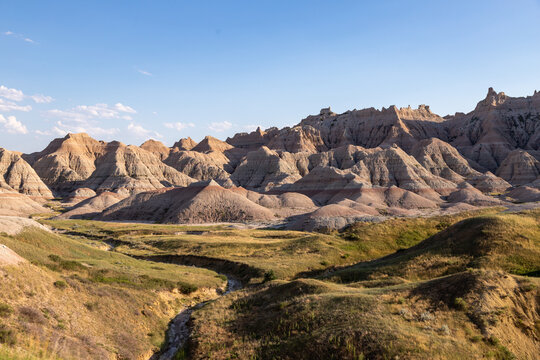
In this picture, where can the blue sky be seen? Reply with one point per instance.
(130, 70)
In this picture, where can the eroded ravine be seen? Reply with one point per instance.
(178, 332)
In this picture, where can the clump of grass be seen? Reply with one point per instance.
(5, 310)
(60, 284)
(62, 264)
(501, 352)
(460, 304)
(7, 336)
(91, 306)
(269, 275)
(31, 315)
(186, 288)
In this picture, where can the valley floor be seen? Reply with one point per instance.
(462, 286)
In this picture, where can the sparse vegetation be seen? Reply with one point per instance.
(60, 284)
(7, 336)
(313, 295)
(5, 310)
(102, 289)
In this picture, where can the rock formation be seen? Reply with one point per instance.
(15, 204)
(393, 160)
(67, 162)
(200, 166)
(157, 148)
(132, 168)
(17, 175)
(265, 169)
(93, 206)
(201, 202)
(519, 168)
(498, 125)
(184, 144)
(77, 161)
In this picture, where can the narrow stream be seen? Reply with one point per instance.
(178, 332)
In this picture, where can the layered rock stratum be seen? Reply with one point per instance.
(358, 164)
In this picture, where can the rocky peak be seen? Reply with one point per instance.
(327, 112)
(156, 147)
(251, 141)
(185, 144)
(492, 99)
(210, 143)
(17, 175)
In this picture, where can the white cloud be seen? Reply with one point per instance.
(220, 126)
(12, 125)
(62, 129)
(141, 132)
(179, 126)
(18, 95)
(124, 108)
(144, 72)
(19, 36)
(87, 112)
(6, 106)
(11, 94)
(41, 99)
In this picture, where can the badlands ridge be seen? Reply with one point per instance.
(326, 172)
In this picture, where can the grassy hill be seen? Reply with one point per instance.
(454, 287)
(459, 294)
(73, 300)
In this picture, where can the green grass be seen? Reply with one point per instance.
(510, 242)
(432, 286)
(287, 254)
(89, 296)
(71, 257)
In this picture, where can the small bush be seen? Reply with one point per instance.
(71, 265)
(31, 315)
(186, 288)
(55, 258)
(426, 316)
(475, 338)
(269, 276)
(460, 304)
(5, 310)
(7, 336)
(444, 329)
(91, 306)
(60, 284)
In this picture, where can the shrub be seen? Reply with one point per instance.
(426, 316)
(5, 310)
(71, 265)
(460, 304)
(55, 258)
(31, 315)
(186, 288)
(91, 306)
(476, 338)
(60, 284)
(7, 336)
(269, 276)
